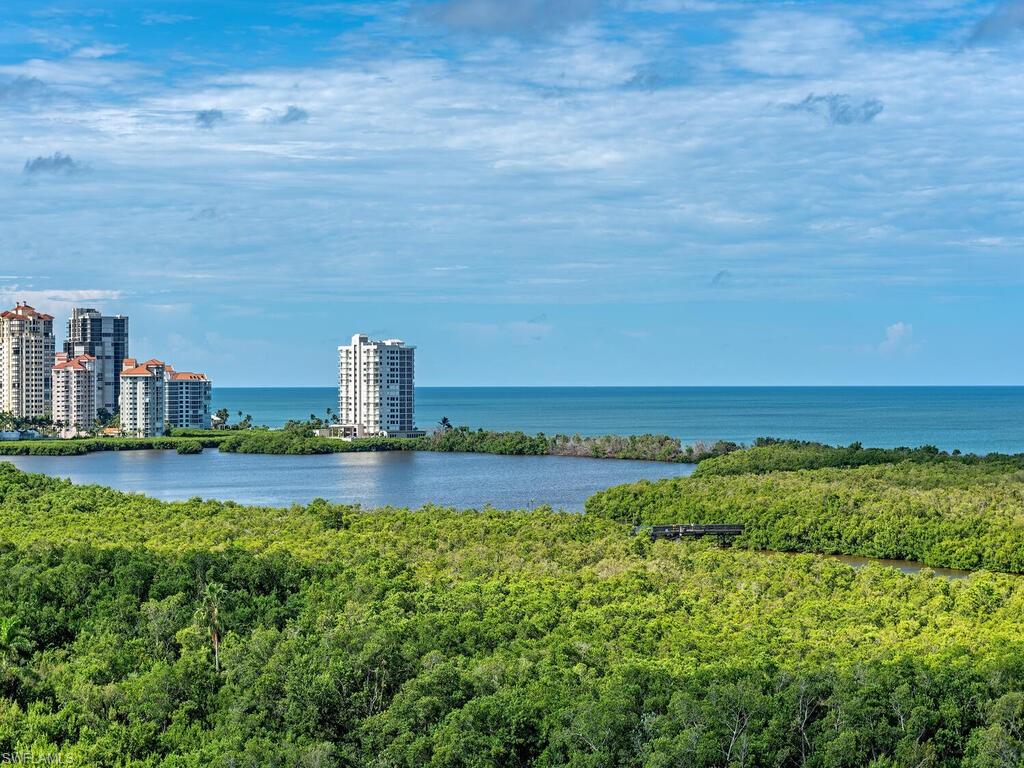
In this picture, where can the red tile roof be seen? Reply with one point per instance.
(24, 312)
(133, 368)
(141, 370)
(75, 363)
(145, 369)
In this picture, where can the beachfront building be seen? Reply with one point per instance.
(376, 388)
(104, 337)
(143, 402)
(155, 398)
(188, 399)
(75, 393)
(26, 361)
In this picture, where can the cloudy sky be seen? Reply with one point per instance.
(661, 192)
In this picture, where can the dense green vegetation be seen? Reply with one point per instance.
(303, 441)
(140, 633)
(79, 447)
(299, 438)
(770, 454)
(946, 511)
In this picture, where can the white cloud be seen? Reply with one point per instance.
(793, 43)
(98, 51)
(160, 17)
(55, 301)
(899, 339)
(78, 73)
(509, 160)
(58, 295)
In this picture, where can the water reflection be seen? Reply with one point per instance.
(904, 566)
(371, 479)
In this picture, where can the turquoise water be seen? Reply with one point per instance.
(976, 419)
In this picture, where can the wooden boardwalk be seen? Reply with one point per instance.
(725, 532)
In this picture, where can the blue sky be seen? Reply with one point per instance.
(662, 192)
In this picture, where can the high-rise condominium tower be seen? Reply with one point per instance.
(155, 397)
(104, 337)
(26, 360)
(188, 399)
(376, 387)
(143, 398)
(75, 389)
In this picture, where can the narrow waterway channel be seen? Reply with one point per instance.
(904, 566)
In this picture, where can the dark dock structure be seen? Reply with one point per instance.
(725, 532)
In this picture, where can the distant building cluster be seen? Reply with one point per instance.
(376, 388)
(92, 376)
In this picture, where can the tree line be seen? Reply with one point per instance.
(944, 511)
(769, 454)
(300, 438)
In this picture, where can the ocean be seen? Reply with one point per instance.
(972, 419)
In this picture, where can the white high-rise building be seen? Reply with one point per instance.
(26, 361)
(105, 337)
(376, 393)
(155, 398)
(75, 393)
(188, 399)
(143, 403)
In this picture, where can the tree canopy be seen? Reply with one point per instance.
(136, 632)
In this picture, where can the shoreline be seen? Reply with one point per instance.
(300, 439)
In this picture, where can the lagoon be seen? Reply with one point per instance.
(405, 479)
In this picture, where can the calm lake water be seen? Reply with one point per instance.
(406, 479)
(973, 419)
(903, 566)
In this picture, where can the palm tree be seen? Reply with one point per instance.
(209, 616)
(445, 424)
(13, 643)
(222, 416)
